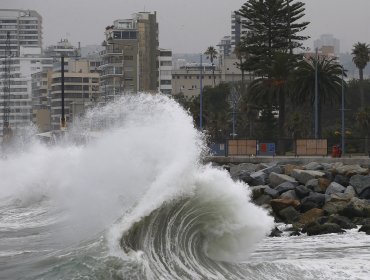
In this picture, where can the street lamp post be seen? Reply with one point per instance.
(201, 95)
(316, 96)
(342, 113)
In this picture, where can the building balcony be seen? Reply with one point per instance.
(111, 52)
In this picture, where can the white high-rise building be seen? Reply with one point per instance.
(24, 28)
(20, 57)
(238, 30)
(165, 71)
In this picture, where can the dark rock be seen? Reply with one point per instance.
(313, 185)
(342, 180)
(277, 179)
(284, 187)
(318, 229)
(263, 199)
(335, 188)
(314, 200)
(356, 208)
(365, 194)
(303, 176)
(289, 194)
(343, 222)
(302, 191)
(257, 191)
(360, 183)
(276, 232)
(295, 233)
(365, 228)
(275, 168)
(289, 215)
(258, 178)
(334, 207)
(272, 192)
(237, 170)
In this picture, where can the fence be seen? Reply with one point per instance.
(290, 147)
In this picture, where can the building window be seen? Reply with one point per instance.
(128, 57)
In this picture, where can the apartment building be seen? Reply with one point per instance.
(238, 30)
(165, 68)
(186, 80)
(62, 48)
(24, 28)
(20, 56)
(81, 90)
(129, 61)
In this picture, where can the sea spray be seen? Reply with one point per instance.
(132, 170)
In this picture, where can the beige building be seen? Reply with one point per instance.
(81, 91)
(186, 80)
(129, 61)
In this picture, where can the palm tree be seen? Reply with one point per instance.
(329, 74)
(361, 52)
(211, 53)
(272, 90)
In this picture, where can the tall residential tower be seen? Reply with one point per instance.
(129, 61)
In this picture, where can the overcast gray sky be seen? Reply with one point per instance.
(187, 26)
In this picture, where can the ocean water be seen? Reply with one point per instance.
(125, 195)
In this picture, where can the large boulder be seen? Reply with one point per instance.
(342, 221)
(356, 208)
(289, 215)
(279, 204)
(277, 179)
(350, 170)
(311, 216)
(288, 168)
(360, 183)
(289, 194)
(314, 200)
(272, 192)
(257, 191)
(263, 200)
(318, 185)
(335, 188)
(284, 187)
(302, 191)
(258, 178)
(314, 166)
(365, 194)
(316, 229)
(342, 180)
(334, 207)
(242, 171)
(303, 176)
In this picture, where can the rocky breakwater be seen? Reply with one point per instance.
(316, 198)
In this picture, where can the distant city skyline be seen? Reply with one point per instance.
(188, 26)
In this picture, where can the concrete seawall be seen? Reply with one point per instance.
(361, 160)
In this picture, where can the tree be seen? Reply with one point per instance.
(363, 119)
(211, 53)
(329, 74)
(361, 52)
(240, 53)
(216, 111)
(273, 27)
(273, 33)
